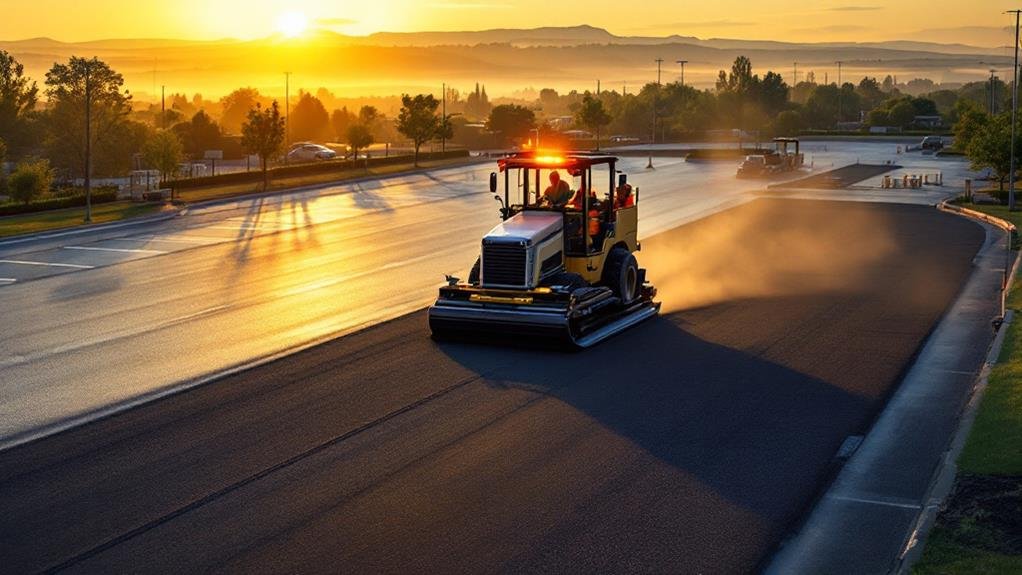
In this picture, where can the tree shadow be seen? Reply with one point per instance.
(367, 196)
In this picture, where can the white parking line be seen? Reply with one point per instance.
(119, 250)
(56, 265)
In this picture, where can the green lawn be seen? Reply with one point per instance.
(56, 219)
(969, 536)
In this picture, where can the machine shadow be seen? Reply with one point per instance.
(761, 435)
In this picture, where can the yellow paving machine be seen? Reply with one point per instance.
(560, 266)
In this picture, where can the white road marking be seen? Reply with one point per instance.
(56, 265)
(118, 250)
(899, 504)
(7, 280)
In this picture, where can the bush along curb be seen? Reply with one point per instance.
(98, 197)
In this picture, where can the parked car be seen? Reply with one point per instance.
(310, 153)
(932, 143)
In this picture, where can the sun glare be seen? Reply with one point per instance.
(292, 24)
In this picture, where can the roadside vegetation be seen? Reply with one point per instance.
(69, 217)
(980, 528)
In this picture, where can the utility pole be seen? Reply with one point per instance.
(443, 126)
(682, 63)
(839, 62)
(794, 73)
(1014, 115)
(88, 142)
(287, 111)
(656, 102)
(993, 87)
(163, 107)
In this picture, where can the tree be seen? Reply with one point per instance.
(902, 113)
(971, 120)
(990, 147)
(236, 106)
(359, 137)
(18, 97)
(309, 119)
(511, 122)
(592, 115)
(163, 151)
(263, 134)
(3, 158)
(789, 123)
(87, 110)
(30, 180)
(340, 121)
(870, 92)
(418, 120)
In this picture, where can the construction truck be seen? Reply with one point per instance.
(773, 162)
(553, 270)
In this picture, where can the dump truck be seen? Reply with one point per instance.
(552, 272)
(773, 162)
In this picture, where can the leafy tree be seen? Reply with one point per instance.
(236, 107)
(199, 134)
(902, 113)
(990, 147)
(340, 121)
(309, 119)
(511, 121)
(971, 120)
(592, 116)
(771, 93)
(359, 137)
(418, 120)
(18, 96)
(30, 180)
(163, 151)
(87, 117)
(368, 114)
(870, 92)
(789, 123)
(263, 134)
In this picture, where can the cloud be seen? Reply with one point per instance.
(835, 28)
(853, 8)
(335, 22)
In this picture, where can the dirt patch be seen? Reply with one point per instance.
(985, 512)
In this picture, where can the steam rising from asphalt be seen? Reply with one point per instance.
(763, 250)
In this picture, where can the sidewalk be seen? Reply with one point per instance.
(864, 521)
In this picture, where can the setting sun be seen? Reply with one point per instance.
(292, 24)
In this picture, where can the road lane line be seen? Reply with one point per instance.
(56, 265)
(7, 280)
(118, 250)
(197, 240)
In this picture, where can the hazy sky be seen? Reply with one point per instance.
(979, 22)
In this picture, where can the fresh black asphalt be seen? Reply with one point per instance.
(692, 443)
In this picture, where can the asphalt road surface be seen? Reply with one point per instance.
(691, 443)
(94, 320)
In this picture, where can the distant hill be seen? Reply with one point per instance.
(505, 60)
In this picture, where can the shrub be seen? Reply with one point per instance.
(30, 180)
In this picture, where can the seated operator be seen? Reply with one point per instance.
(624, 198)
(558, 193)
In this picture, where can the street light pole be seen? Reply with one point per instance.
(656, 97)
(794, 73)
(287, 110)
(839, 62)
(88, 142)
(993, 106)
(163, 107)
(443, 126)
(1014, 114)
